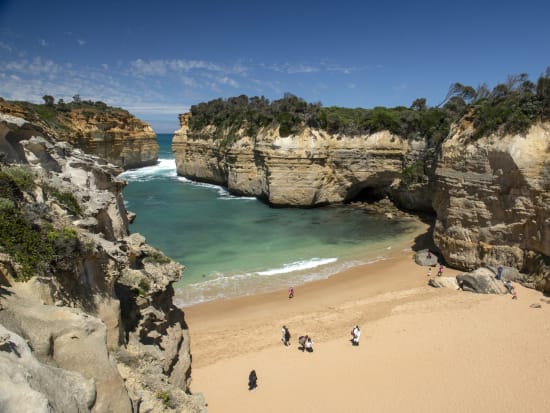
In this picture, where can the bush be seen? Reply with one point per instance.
(21, 176)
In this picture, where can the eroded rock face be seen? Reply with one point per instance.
(309, 169)
(110, 133)
(492, 199)
(106, 313)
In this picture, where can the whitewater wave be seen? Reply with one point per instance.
(299, 266)
(165, 168)
(222, 191)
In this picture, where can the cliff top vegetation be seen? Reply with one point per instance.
(510, 107)
(61, 116)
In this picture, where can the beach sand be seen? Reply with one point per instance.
(422, 349)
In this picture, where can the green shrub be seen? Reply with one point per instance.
(164, 396)
(66, 199)
(156, 257)
(27, 243)
(21, 175)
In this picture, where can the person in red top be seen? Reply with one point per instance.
(291, 292)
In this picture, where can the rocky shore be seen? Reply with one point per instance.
(89, 325)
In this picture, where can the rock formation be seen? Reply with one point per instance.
(490, 196)
(111, 133)
(309, 169)
(93, 327)
(492, 200)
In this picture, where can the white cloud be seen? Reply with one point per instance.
(43, 42)
(291, 68)
(81, 42)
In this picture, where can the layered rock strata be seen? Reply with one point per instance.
(492, 199)
(490, 196)
(110, 133)
(100, 333)
(308, 169)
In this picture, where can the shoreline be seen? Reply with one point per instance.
(282, 280)
(411, 332)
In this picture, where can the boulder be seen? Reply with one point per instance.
(444, 282)
(27, 385)
(481, 281)
(421, 258)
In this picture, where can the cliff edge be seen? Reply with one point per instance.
(110, 133)
(87, 321)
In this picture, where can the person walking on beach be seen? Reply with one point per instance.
(429, 272)
(440, 272)
(291, 292)
(252, 380)
(285, 336)
(499, 272)
(356, 334)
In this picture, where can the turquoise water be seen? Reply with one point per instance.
(233, 246)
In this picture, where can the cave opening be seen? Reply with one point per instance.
(368, 195)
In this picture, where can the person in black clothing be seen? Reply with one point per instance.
(252, 380)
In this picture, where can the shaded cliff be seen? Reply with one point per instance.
(87, 321)
(492, 201)
(111, 133)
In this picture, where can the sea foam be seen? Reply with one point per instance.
(165, 168)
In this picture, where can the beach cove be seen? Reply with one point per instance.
(422, 349)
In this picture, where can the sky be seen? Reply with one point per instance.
(157, 58)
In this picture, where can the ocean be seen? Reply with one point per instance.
(234, 246)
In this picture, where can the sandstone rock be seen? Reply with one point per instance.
(111, 289)
(308, 169)
(492, 200)
(27, 385)
(481, 281)
(444, 282)
(110, 133)
(421, 258)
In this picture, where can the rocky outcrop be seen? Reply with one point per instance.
(98, 318)
(492, 199)
(307, 169)
(110, 133)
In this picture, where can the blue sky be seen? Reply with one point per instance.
(157, 58)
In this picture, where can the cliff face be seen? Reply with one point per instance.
(492, 199)
(490, 196)
(308, 169)
(110, 133)
(94, 327)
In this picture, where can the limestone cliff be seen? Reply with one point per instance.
(490, 195)
(111, 133)
(87, 321)
(492, 199)
(310, 168)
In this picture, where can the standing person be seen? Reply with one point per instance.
(499, 272)
(440, 272)
(356, 332)
(291, 292)
(285, 336)
(302, 341)
(252, 380)
(309, 345)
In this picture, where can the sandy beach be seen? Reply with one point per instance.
(422, 349)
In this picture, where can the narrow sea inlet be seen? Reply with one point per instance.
(234, 246)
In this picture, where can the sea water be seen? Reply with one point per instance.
(234, 246)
